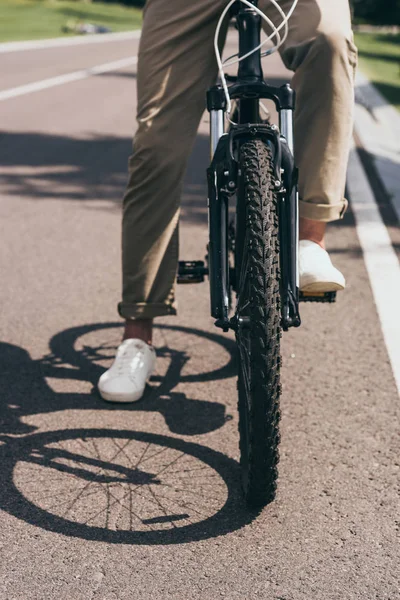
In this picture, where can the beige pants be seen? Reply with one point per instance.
(176, 66)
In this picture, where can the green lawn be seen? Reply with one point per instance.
(379, 56)
(38, 19)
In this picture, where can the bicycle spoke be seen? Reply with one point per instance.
(175, 481)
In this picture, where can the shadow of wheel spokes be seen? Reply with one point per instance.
(122, 486)
(88, 358)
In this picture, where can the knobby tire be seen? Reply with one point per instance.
(258, 304)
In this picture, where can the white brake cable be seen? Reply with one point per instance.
(274, 34)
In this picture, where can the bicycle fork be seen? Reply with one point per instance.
(222, 178)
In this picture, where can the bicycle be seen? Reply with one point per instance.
(256, 256)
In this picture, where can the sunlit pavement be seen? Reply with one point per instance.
(144, 501)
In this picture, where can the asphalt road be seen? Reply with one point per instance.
(101, 502)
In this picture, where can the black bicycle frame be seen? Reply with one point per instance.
(248, 88)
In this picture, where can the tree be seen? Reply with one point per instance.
(379, 12)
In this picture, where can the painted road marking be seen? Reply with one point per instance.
(380, 258)
(70, 41)
(45, 84)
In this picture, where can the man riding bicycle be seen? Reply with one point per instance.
(176, 66)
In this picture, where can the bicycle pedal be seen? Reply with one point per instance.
(317, 296)
(191, 271)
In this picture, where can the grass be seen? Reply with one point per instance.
(379, 57)
(39, 19)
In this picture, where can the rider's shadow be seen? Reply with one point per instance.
(25, 391)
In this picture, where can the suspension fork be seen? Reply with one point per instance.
(218, 204)
(289, 224)
(217, 123)
(286, 128)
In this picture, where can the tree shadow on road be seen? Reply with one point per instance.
(93, 170)
(54, 167)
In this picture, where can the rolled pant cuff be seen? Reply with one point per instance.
(144, 310)
(322, 212)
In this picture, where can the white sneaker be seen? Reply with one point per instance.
(126, 379)
(317, 273)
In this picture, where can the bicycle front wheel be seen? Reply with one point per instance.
(258, 318)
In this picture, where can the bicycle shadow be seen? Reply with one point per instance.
(26, 391)
(175, 492)
(117, 486)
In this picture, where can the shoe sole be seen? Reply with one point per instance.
(322, 286)
(120, 398)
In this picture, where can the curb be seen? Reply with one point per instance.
(377, 124)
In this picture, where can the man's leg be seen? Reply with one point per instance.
(321, 52)
(176, 65)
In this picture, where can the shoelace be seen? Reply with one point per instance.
(127, 364)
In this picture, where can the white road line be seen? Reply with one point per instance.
(380, 259)
(68, 41)
(37, 86)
